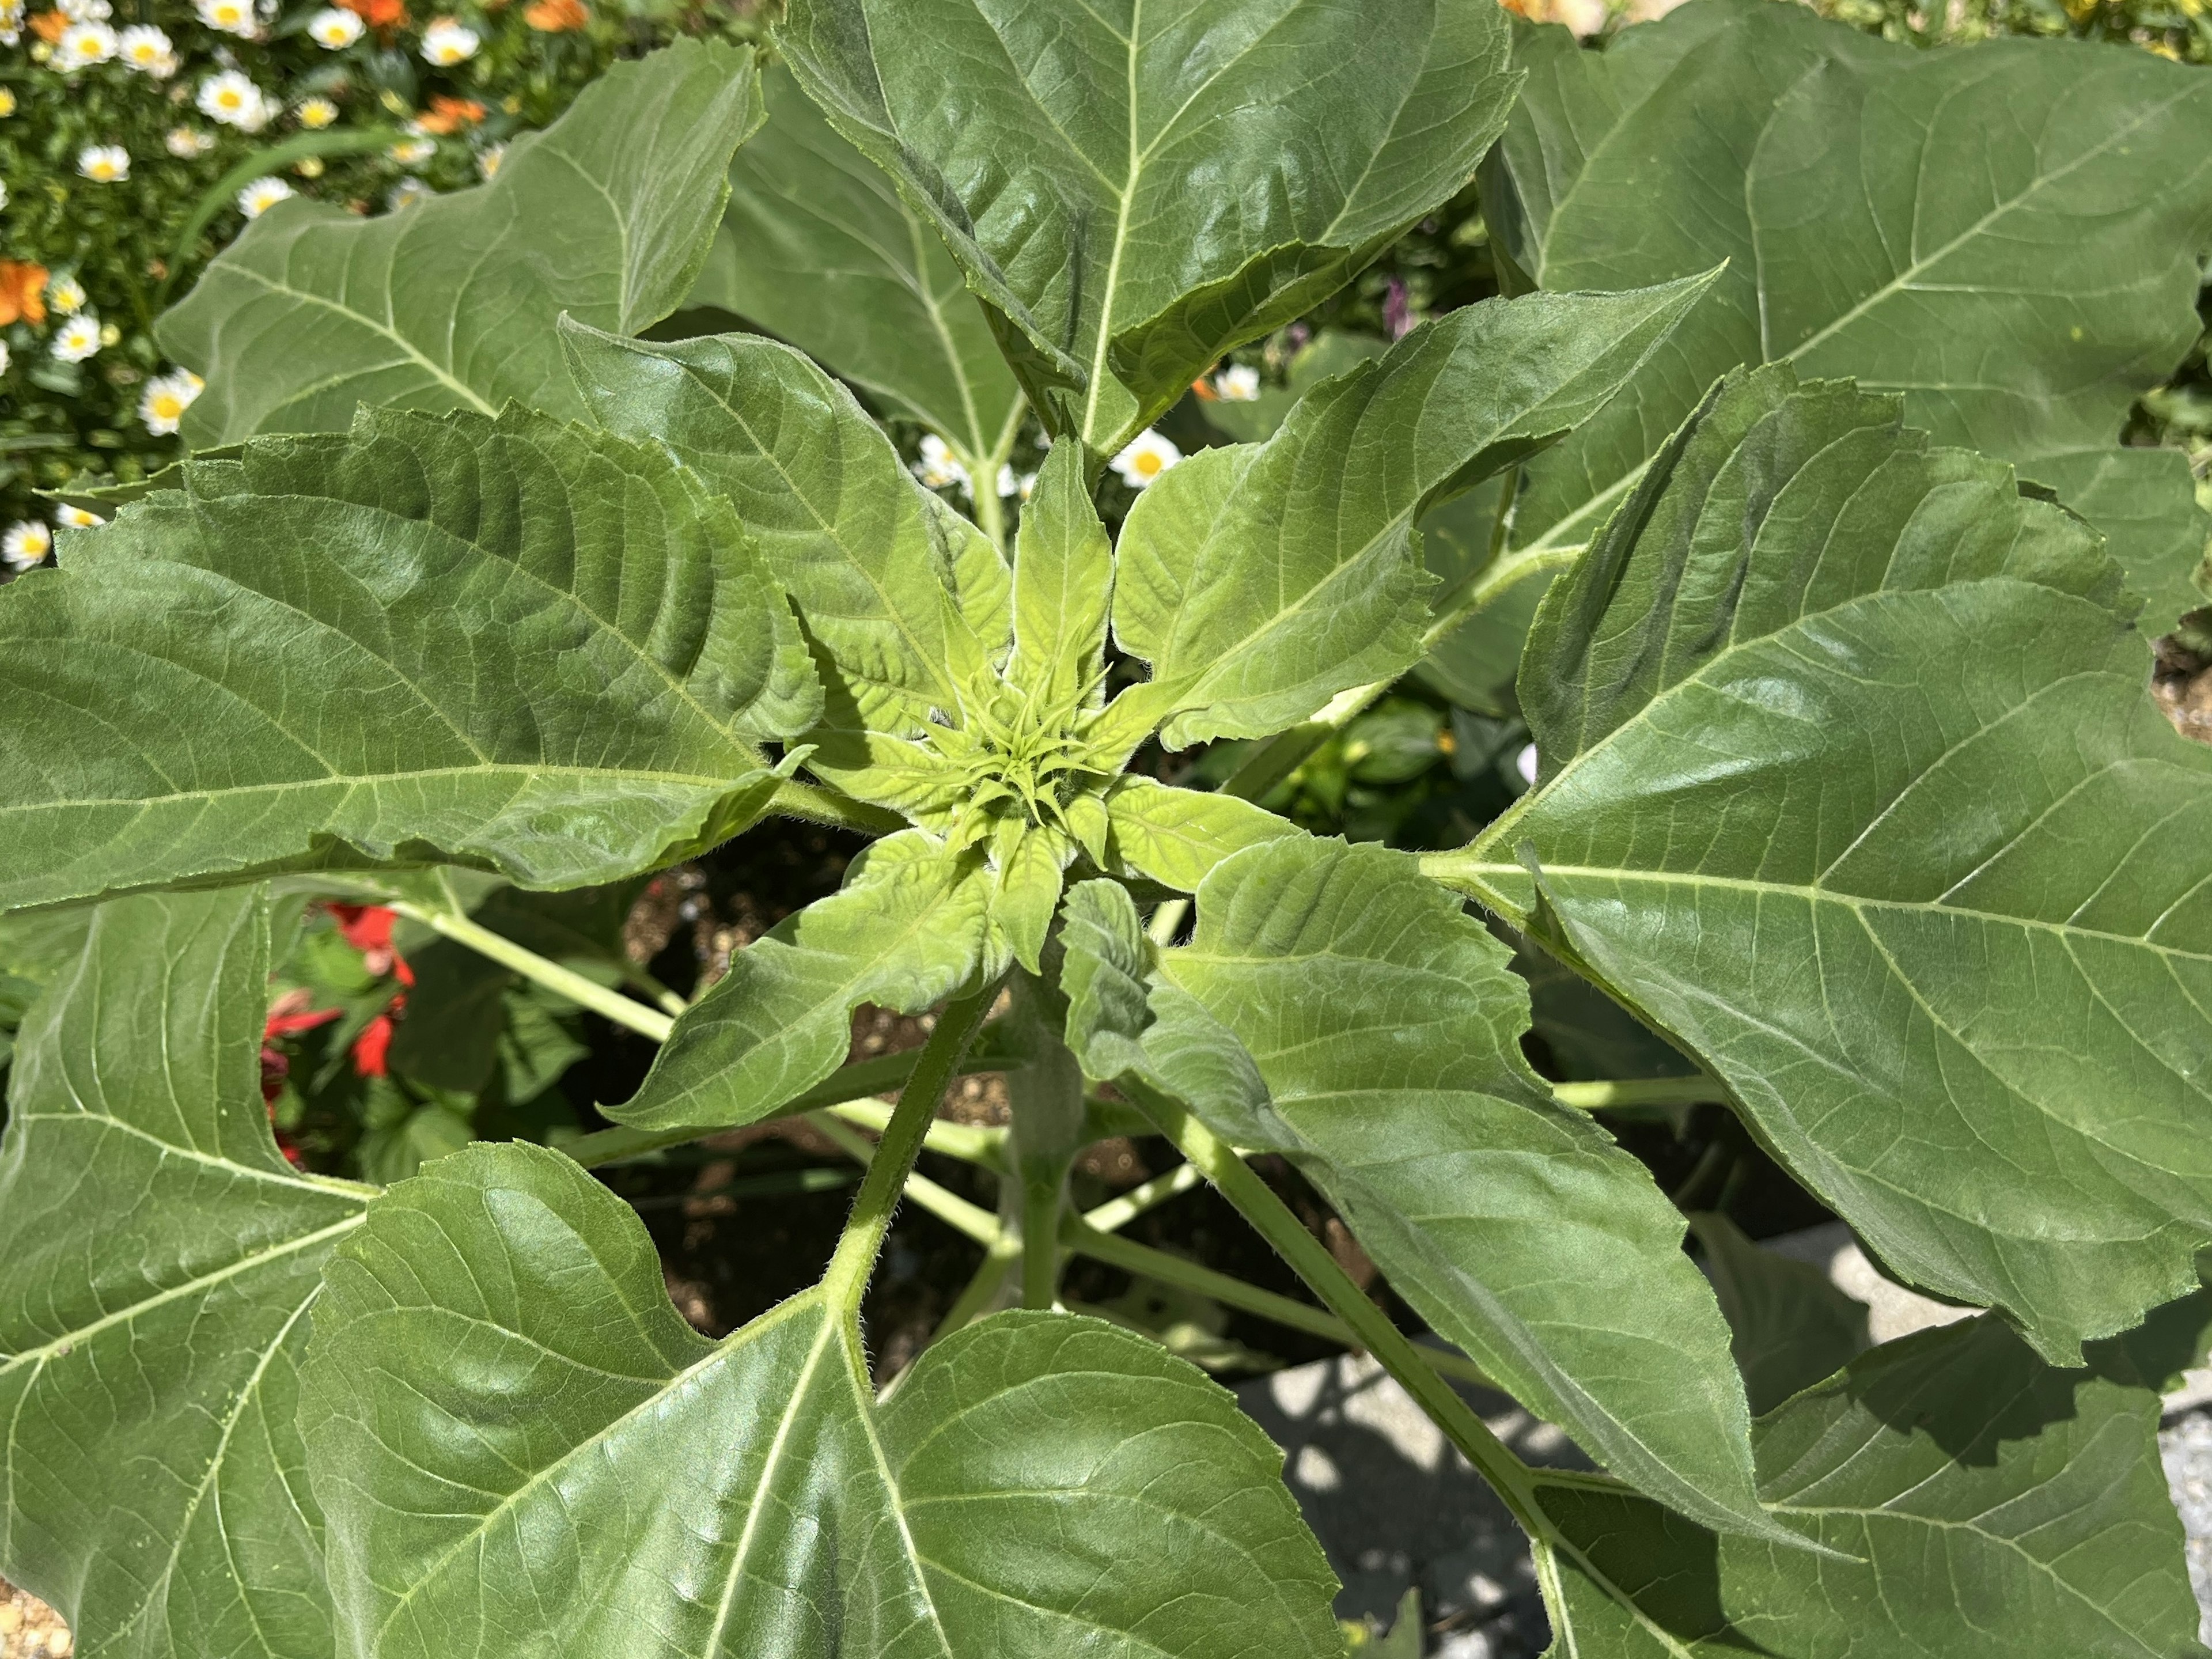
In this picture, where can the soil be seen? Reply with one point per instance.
(29, 1629)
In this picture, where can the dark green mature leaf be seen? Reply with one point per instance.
(160, 1258)
(1852, 785)
(866, 554)
(1261, 580)
(1995, 1508)
(2021, 296)
(1791, 1326)
(1335, 1007)
(597, 1478)
(451, 305)
(908, 928)
(817, 247)
(514, 644)
(1132, 193)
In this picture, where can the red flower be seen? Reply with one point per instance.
(367, 928)
(373, 1047)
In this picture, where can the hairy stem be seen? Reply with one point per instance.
(893, 1158)
(1281, 1228)
(818, 804)
(622, 1009)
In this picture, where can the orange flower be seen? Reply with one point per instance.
(378, 14)
(552, 16)
(50, 26)
(449, 115)
(23, 292)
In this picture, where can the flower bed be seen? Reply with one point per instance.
(137, 136)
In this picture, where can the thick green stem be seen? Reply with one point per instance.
(1045, 1093)
(1281, 1228)
(817, 805)
(590, 993)
(1637, 1092)
(955, 1212)
(893, 1159)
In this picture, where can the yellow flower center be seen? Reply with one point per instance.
(229, 98)
(1149, 465)
(167, 406)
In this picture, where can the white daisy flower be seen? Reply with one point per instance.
(1238, 384)
(86, 11)
(66, 295)
(447, 43)
(1025, 486)
(148, 51)
(406, 193)
(318, 113)
(185, 143)
(262, 194)
(166, 399)
(413, 152)
(1008, 483)
(1526, 763)
(24, 543)
(1146, 459)
(937, 469)
(104, 164)
(334, 30)
(489, 160)
(6, 357)
(83, 45)
(235, 101)
(75, 518)
(231, 17)
(4, 196)
(77, 338)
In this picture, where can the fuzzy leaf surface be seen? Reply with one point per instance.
(1334, 1007)
(2020, 296)
(161, 1257)
(1852, 783)
(514, 644)
(868, 557)
(1134, 191)
(1995, 1508)
(1262, 582)
(597, 1478)
(818, 248)
(451, 304)
(909, 927)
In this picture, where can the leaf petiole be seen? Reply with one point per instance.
(590, 993)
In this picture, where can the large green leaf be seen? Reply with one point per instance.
(514, 644)
(598, 1480)
(2020, 294)
(1335, 1007)
(817, 247)
(1983, 1506)
(1790, 1327)
(909, 927)
(1260, 581)
(1134, 191)
(1852, 783)
(161, 1257)
(868, 555)
(451, 305)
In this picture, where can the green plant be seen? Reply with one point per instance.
(1850, 785)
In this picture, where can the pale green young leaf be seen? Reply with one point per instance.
(868, 557)
(1133, 192)
(1175, 836)
(1283, 573)
(908, 928)
(1983, 1506)
(2020, 296)
(1027, 895)
(451, 305)
(514, 644)
(1790, 1327)
(1851, 784)
(818, 248)
(1063, 583)
(161, 1257)
(1336, 1008)
(599, 1479)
